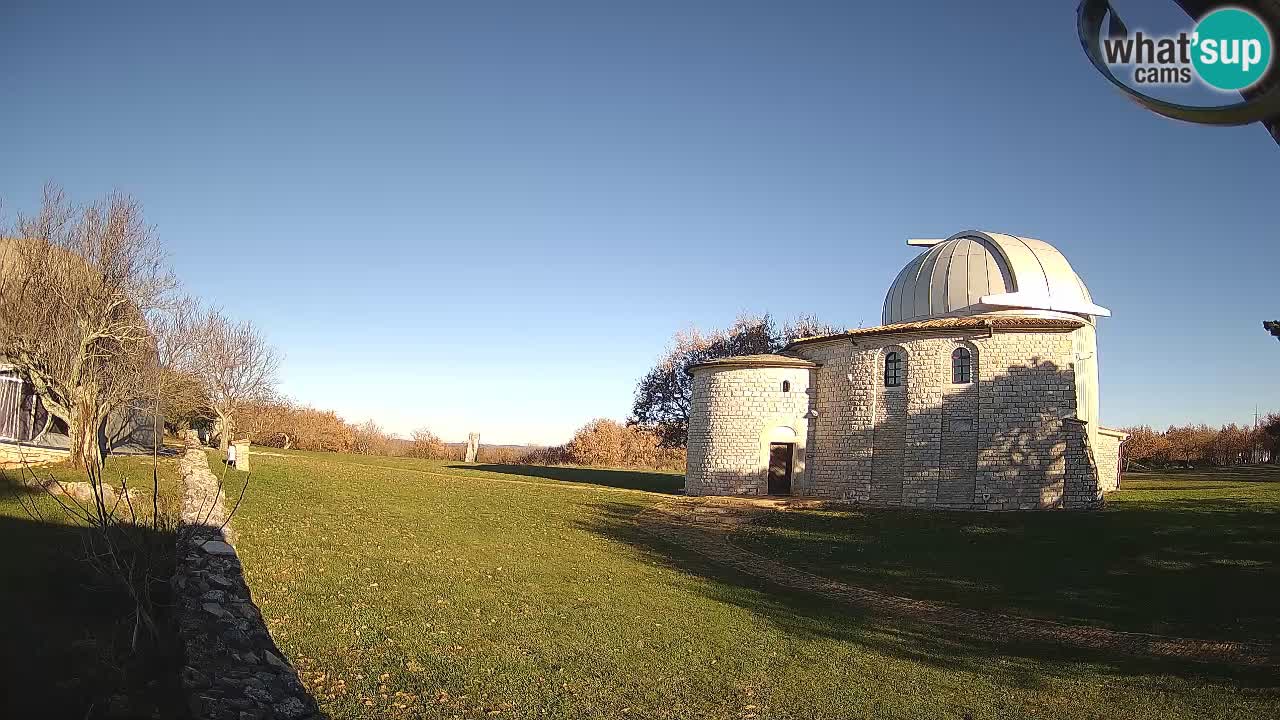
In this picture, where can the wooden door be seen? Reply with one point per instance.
(780, 468)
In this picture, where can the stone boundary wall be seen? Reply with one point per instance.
(1108, 456)
(233, 670)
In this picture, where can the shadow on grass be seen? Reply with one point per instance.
(66, 648)
(798, 612)
(1207, 569)
(629, 479)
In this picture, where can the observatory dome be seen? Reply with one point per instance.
(975, 273)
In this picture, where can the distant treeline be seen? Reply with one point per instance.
(599, 443)
(606, 443)
(1200, 445)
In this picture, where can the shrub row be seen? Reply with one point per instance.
(600, 443)
(1204, 445)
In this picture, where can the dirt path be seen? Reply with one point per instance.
(702, 525)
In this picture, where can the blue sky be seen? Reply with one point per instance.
(492, 216)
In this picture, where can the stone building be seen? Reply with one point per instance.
(979, 390)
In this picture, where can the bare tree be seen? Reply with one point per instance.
(238, 367)
(1143, 446)
(804, 326)
(601, 443)
(81, 291)
(1269, 435)
(77, 286)
(370, 439)
(268, 423)
(179, 393)
(1230, 445)
(284, 424)
(426, 444)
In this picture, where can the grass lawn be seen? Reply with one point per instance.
(1193, 553)
(65, 646)
(408, 588)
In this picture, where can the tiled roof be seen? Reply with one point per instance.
(1012, 322)
(756, 361)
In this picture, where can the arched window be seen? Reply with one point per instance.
(892, 369)
(786, 386)
(961, 366)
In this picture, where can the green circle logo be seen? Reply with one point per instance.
(1232, 49)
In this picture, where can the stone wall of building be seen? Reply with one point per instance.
(131, 426)
(17, 455)
(1108, 455)
(1027, 394)
(841, 436)
(998, 443)
(1080, 487)
(958, 451)
(891, 430)
(1008, 440)
(736, 412)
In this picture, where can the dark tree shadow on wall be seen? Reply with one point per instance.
(1031, 450)
(1008, 441)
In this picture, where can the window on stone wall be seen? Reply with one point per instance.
(893, 369)
(786, 386)
(22, 415)
(10, 407)
(961, 366)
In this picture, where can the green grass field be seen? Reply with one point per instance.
(404, 588)
(1187, 554)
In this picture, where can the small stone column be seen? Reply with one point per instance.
(242, 454)
(473, 447)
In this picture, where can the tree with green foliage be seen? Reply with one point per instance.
(664, 394)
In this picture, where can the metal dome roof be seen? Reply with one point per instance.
(973, 272)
